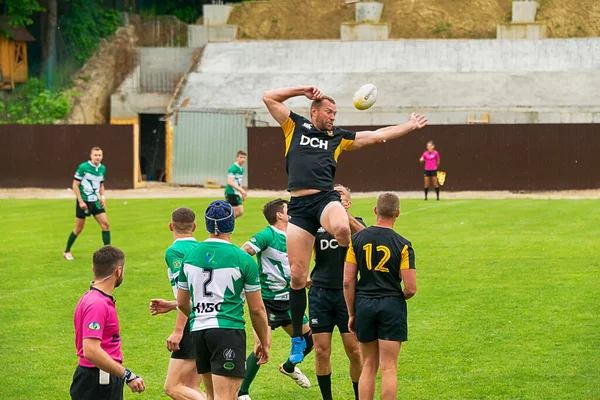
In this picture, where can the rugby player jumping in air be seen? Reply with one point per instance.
(312, 149)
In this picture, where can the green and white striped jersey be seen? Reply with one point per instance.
(91, 177)
(274, 266)
(174, 258)
(217, 273)
(237, 173)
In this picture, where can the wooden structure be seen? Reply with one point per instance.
(13, 54)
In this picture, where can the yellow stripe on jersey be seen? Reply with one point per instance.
(288, 131)
(404, 264)
(350, 255)
(345, 145)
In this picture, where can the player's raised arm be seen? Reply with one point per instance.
(382, 135)
(274, 99)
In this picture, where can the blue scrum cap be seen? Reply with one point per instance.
(219, 217)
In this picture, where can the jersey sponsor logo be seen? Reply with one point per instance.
(94, 326)
(314, 142)
(325, 244)
(307, 126)
(177, 264)
(321, 230)
(253, 240)
(202, 307)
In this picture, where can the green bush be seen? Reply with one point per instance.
(32, 103)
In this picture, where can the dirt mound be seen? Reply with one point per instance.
(98, 78)
(318, 19)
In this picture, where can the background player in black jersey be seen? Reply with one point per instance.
(377, 303)
(312, 150)
(326, 303)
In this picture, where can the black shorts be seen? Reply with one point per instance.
(186, 346)
(221, 352)
(305, 212)
(327, 309)
(94, 208)
(381, 318)
(431, 174)
(279, 314)
(86, 386)
(234, 199)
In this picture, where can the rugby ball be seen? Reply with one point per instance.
(365, 96)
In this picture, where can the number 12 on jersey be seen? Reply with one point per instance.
(368, 248)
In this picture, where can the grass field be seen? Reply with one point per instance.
(507, 307)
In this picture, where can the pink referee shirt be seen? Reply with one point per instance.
(431, 160)
(96, 317)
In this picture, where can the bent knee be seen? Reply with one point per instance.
(322, 352)
(342, 235)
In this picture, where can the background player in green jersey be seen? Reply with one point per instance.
(181, 374)
(270, 250)
(215, 276)
(88, 186)
(312, 149)
(377, 303)
(234, 192)
(326, 303)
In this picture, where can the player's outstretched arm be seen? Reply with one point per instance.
(258, 316)
(382, 135)
(274, 99)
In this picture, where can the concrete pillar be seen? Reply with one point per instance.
(524, 11)
(216, 14)
(530, 31)
(370, 11)
(364, 31)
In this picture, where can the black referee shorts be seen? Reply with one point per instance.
(86, 386)
(381, 318)
(186, 346)
(305, 212)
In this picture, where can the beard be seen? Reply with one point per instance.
(119, 281)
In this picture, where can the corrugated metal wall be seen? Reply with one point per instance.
(476, 157)
(205, 145)
(46, 156)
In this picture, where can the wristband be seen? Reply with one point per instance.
(129, 376)
(103, 197)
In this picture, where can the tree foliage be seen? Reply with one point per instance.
(33, 104)
(20, 11)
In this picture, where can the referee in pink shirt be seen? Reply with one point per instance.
(100, 374)
(431, 159)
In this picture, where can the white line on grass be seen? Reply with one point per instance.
(443, 205)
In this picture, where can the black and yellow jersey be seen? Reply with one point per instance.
(328, 272)
(311, 154)
(380, 254)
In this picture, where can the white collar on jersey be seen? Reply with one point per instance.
(277, 230)
(191, 238)
(217, 241)
(94, 165)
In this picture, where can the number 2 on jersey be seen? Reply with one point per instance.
(209, 278)
(368, 248)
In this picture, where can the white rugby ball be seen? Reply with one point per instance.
(365, 96)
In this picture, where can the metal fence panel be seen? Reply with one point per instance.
(475, 157)
(205, 144)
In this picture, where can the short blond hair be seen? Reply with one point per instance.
(95, 149)
(319, 102)
(388, 205)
